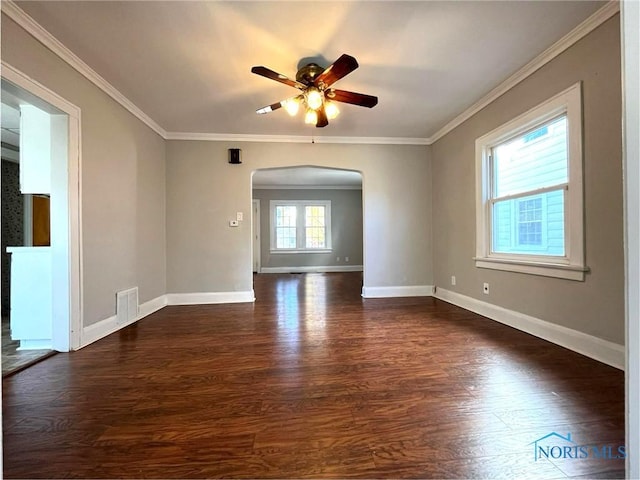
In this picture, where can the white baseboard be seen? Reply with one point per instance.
(98, 330)
(210, 297)
(317, 269)
(588, 345)
(101, 329)
(404, 291)
(152, 306)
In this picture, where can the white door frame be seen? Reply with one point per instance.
(256, 258)
(630, 36)
(65, 215)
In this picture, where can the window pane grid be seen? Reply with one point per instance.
(301, 225)
(286, 216)
(285, 237)
(314, 237)
(315, 226)
(530, 222)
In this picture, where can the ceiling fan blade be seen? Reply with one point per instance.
(353, 98)
(278, 77)
(322, 118)
(338, 69)
(269, 108)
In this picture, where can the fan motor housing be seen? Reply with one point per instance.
(308, 73)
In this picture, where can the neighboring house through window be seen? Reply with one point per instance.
(530, 194)
(300, 226)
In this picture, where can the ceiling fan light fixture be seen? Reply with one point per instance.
(314, 98)
(292, 105)
(311, 117)
(331, 109)
(316, 95)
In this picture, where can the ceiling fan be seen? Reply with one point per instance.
(317, 95)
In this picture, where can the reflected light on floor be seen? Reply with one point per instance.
(301, 308)
(288, 311)
(315, 299)
(503, 385)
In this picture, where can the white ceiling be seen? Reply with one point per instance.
(187, 64)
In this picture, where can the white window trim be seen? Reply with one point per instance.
(572, 265)
(300, 204)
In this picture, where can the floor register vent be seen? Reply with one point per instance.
(126, 306)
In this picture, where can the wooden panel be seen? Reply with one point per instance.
(41, 221)
(310, 381)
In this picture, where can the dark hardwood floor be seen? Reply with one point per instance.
(312, 381)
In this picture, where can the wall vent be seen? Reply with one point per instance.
(126, 306)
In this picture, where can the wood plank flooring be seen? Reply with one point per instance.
(311, 381)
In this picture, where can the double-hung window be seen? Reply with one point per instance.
(300, 226)
(529, 192)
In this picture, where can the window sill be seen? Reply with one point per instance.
(568, 272)
(301, 250)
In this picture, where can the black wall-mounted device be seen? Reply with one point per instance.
(234, 156)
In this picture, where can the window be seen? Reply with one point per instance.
(300, 226)
(286, 218)
(524, 220)
(529, 192)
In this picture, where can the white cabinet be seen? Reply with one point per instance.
(35, 150)
(31, 299)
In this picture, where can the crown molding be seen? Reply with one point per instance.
(582, 30)
(233, 137)
(43, 36)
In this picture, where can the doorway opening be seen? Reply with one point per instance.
(41, 251)
(307, 219)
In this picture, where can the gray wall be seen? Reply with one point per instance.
(204, 192)
(595, 306)
(346, 227)
(123, 182)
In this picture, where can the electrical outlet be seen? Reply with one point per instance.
(337, 259)
(239, 216)
(453, 279)
(485, 288)
(346, 259)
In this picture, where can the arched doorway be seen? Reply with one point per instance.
(307, 219)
